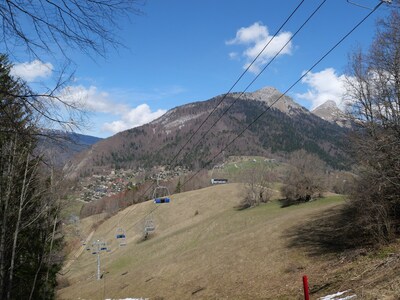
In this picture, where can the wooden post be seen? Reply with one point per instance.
(305, 287)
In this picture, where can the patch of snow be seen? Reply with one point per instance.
(129, 299)
(339, 294)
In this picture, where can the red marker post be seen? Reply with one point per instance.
(305, 287)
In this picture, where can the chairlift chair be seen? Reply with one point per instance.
(120, 234)
(160, 195)
(149, 226)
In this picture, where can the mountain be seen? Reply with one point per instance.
(330, 112)
(284, 128)
(60, 146)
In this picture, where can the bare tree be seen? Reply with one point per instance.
(257, 186)
(373, 85)
(305, 178)
(42, 26)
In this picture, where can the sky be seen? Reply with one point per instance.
(183, 51)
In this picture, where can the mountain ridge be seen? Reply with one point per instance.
(286, 127)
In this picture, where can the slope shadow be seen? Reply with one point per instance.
(326, 232)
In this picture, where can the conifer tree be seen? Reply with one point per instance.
(28, 209)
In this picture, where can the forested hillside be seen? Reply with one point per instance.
(278, 132)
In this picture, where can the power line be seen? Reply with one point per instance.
(236, 82)
(258, 75)
(287, 90)
(232, 87)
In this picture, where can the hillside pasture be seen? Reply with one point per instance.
(203, 248)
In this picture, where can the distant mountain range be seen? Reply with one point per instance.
(284, 128)
(60, 146)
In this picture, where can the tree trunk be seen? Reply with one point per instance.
(6, 198)
(16, 232)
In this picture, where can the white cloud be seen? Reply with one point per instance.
(134, 117)
(233, 55)
(255, 37)
(247, 35)
(33, 70)
(93, 100)
(323, 86)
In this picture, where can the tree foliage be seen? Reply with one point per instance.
(374, 90)
(28, 208)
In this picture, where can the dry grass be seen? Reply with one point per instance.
(218, 253)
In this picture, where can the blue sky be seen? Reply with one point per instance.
(184, 51)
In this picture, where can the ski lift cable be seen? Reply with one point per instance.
(174, 158)
(258, 75)
(237, 81)
(232, 87)
(128, 212)
(269, 107)
(359, 5)
(287, 90)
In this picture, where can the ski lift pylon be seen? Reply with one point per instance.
(99, 246)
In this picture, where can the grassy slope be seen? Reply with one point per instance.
(221, 253)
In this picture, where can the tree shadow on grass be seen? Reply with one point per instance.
(328, 232)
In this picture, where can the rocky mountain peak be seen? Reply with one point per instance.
(269, 95)
(329, 104)
(265, 93)
(330, 112)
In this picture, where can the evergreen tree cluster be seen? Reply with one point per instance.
(29, 238)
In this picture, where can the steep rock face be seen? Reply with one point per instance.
(284, 128)
(329, 111)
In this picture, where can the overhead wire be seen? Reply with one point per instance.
(222, 99)
(231, 88)
(237, 81)
(287, 90)
(276, 100)
(270, 106)
(258, 75)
